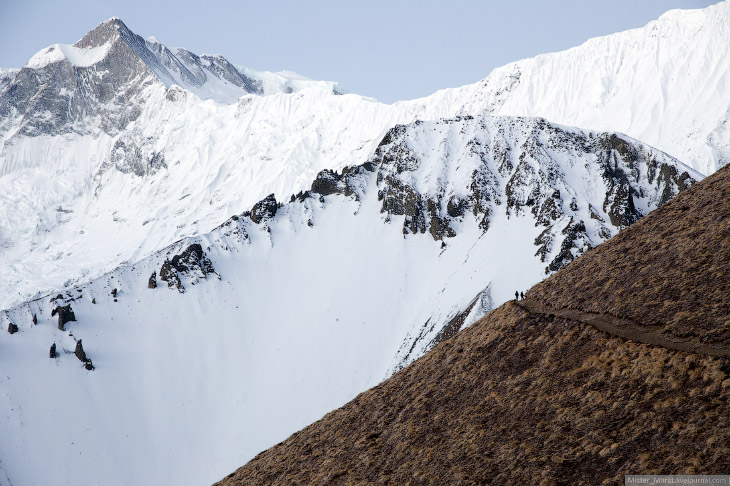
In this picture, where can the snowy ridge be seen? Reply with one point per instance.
(287, 311)
(288, 82)
(665, 83)
(80, 57)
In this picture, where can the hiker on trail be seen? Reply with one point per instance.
(522, 296)
(517, 296)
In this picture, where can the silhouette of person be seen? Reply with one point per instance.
(517, 296)
(522, 296)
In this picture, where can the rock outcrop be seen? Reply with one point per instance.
(263, 210)
(434, 173)
(193, 263)
(79, 351)
(65, 314)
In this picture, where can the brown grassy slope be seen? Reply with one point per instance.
(523, 398)
(518, 399)
(671, 269)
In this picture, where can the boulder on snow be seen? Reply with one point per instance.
(35, 319)
(79, 352)
(152, 282)
(89, 365)
(12, 328)
(65, 314)
(52, 352)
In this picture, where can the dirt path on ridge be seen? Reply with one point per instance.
(626, 329)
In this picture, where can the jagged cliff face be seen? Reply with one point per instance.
(98, 83)
(433, 174)
(293, 307)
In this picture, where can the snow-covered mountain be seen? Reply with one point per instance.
(290, 309)
(665, 84)
(121, 139)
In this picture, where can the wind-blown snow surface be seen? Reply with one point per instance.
(312, 301)
(155, 162)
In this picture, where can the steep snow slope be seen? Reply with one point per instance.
(288, 311)
(667, 84)
(116, 151)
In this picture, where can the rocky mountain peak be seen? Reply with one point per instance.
(107, 31)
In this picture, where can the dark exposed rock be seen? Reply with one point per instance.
(93, 300)
(667, 178)
(264, 210)
(52, 352)
(114, 293)
(89, 365)
(618, 171)
(192, 262)
(35, 319)
(483, 183)
(79, 352)
(456, 207)
(152, 282)
(544, 243)
(132, 156)
(521, 189)
(301, 196)
(619, 204)
(65, 314)
(12, 328)
(326, 183)
(548, 211)
(594, 214)
(422, 212)
(575, 238)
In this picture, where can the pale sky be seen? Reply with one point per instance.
(388, 49)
